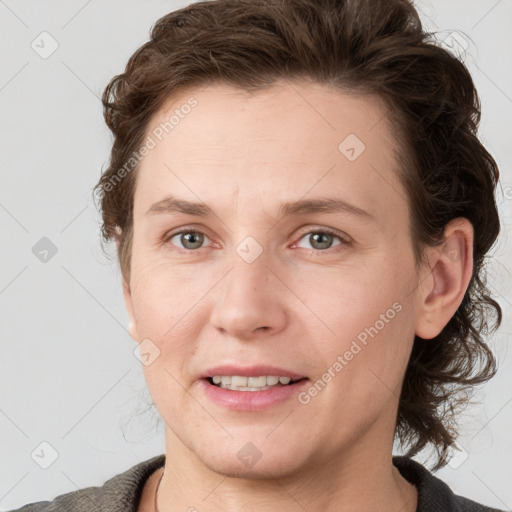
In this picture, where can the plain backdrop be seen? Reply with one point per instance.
(71, 387)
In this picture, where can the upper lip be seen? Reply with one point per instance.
(250, 371)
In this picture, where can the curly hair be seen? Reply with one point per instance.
(375, 47)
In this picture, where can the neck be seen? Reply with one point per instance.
(363, 480)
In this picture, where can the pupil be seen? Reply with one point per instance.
(316, 238)
(192, 240)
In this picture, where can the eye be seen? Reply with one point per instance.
(321, 239)
(189, 240)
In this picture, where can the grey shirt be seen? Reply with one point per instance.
(122, 492)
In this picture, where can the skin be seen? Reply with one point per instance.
(297, 306)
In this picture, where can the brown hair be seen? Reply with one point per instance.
(367, 46)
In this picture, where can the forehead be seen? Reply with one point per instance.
(280, 143)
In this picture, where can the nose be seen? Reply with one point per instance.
(251, 301)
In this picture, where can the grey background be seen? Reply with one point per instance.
(68, 375)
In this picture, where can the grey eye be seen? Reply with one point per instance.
(320, 240)
(189, 239)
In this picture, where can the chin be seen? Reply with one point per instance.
(273, 466)
(249, 455)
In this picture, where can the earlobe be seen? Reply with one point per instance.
(451, 268)
(132, 326)
(127, 295)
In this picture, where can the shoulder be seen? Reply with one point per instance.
(120, 493)
(433, 493)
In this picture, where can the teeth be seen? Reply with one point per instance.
(272, 380)
(239, 383)
(257, 382)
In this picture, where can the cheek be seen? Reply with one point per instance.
(165, 294)
(349, 299)
(364, 318)
(168, 314)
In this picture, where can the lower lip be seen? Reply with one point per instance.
(251, 400)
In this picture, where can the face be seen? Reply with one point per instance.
(272, 239)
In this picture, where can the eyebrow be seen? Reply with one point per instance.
(301, 207)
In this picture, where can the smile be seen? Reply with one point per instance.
(240, 383)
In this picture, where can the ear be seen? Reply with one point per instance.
(132, 328)
(450, 270)
(127, 295)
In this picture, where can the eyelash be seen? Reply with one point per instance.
(325, 231)
(316, 252)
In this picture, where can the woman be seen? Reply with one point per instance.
(301, 208)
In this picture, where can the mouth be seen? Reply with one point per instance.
(252, 383)
(258, 387)
(251, 388)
